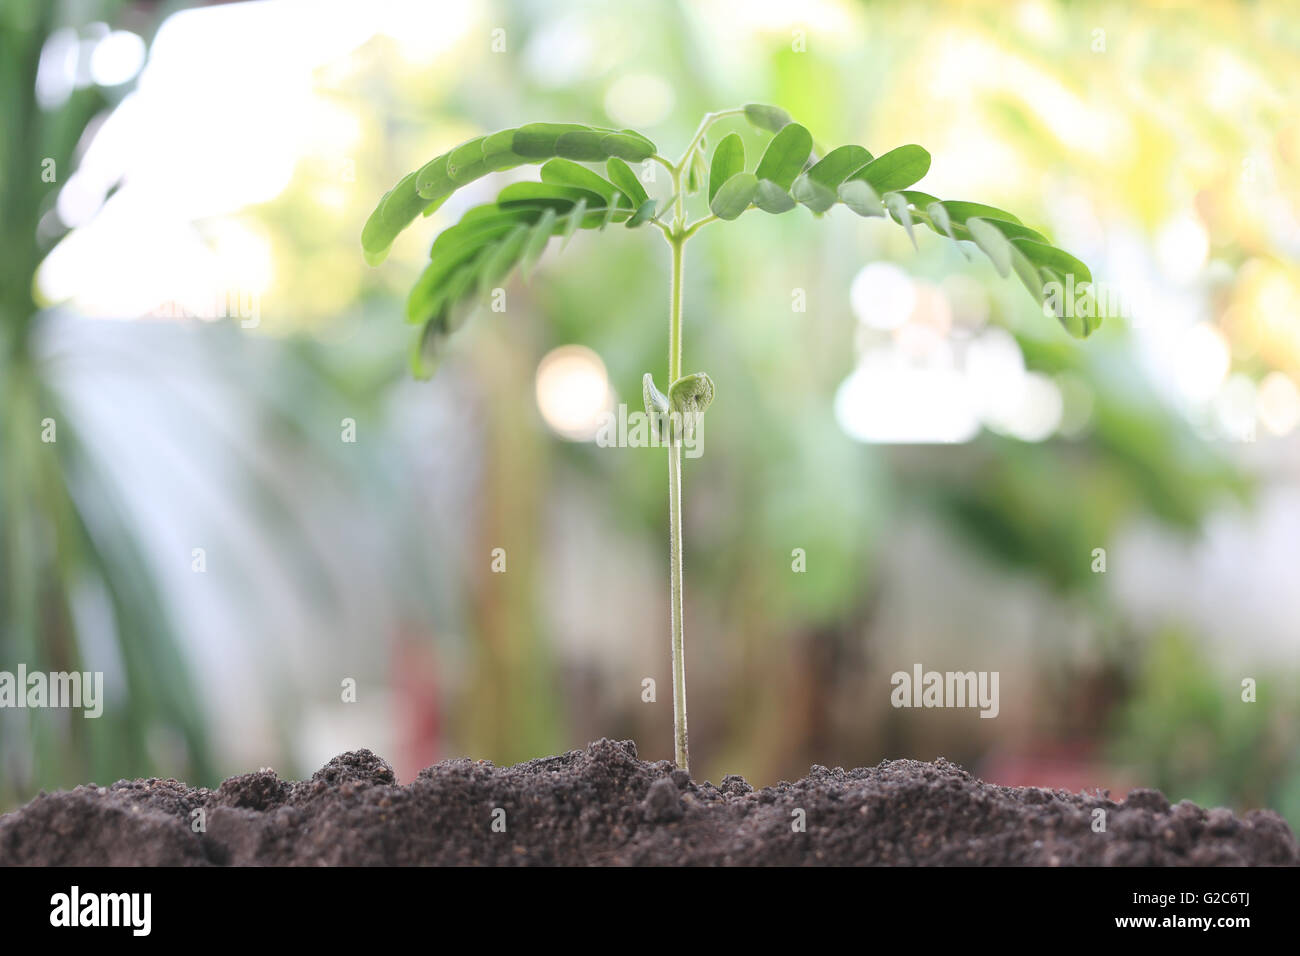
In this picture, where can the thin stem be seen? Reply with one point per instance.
(681, 751)
(709, 120)
(664, 163)
(675, 313)
(677, 236)
(697, 225)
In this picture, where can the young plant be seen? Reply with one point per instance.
(490, 240)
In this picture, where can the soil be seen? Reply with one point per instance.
(604, 806)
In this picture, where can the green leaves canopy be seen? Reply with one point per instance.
(468, 259)
(878, 186)
(430, 185)
(490, 240)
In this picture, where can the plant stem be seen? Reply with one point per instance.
(677, 237)
(675, 518)
(709, 120)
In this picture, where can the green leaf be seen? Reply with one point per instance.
(622, 176)
(697, 172)
(563, 172)
(610, 212)
(426, 297)
(940, 219)
(691, 394)
(541, 233)
(583, 144)
(644, 213)
(627, 144)
(961, 211)
(897, 205)
(728, 159)
(771, 118)
(770, 197)
(1013, 230)
(455, 305)
(425, 350)
(1058, 260)
(838, 165)
(958, 212)
(1031, 277)
(466, 238)
(861, 198)
(656, 404)
(437, 179)
(395, 212)
(812, 194)
(572, 221)
(480, 156)
(538, 140)
(562, 197)
(1073, 300)
(432, 181)
(492, 239)
(441, 287)
(896, 169)
(688, 398)
(499, 259)
(992, 243)
(481, 224)
(941, 222)
(785, 155)
(734, 196)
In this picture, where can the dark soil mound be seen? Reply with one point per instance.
(603, 806)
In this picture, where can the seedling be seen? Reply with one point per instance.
(477, 253)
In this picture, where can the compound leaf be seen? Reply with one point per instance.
(564, 172)
(771, 118)
(896, 169)
(622, 176)
(785, 155)
(424, 190)
(770, 197)
(728, 159)
(734, 196)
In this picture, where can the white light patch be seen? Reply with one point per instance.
(117, 58)
(573, 393)
(995, 369)
(639, 99)
(1182, 247)
(887, 400)
(1202, 362)
(200, 139)
(561, 53)
(1037, 411)
(1278, 404)
(882, 296)
(1234, 409)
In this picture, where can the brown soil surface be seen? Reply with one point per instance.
(604, 806)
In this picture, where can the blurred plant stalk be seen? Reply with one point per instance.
(54, 545)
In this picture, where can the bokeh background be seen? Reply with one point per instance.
(186, 299)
